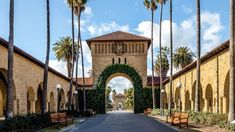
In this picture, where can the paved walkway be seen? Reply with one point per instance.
(119, 121)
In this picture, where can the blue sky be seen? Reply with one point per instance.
(104, 16)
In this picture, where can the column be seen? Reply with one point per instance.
(206, 105)
(224, 105)
(32, 106)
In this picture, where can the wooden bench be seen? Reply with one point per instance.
(178, 119)
(148, 111)
(60, 119)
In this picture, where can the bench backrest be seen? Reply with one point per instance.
(184, 115)
(176, 114)
(63, 115)
(149, 110)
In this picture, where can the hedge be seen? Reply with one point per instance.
(95, 99)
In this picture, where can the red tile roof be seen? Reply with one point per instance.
(156, 80)
(119, 95)
(88, 81)
(118, 36)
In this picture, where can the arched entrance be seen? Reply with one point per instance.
(38, 107)
(209, 98)
(201, 100)
(62, 100)
(121, 70)
(177, 98)
(187, 101)
(30, 100)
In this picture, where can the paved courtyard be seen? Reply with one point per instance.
(121, 121)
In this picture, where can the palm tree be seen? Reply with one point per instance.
(113, 94)
(79, 7)
(164, 64)
(9, 105)
(71, 5)
(63, 51)
(231, 114)
(171, 59)
(182, 57)
(161, 2)
(152, 6)
(45, 77)
(197, 98)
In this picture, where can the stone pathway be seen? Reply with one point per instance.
(121, 121)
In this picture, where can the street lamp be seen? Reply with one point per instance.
(162, 92)
(179, 85)
(58, 87)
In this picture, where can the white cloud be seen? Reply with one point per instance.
(103, 28)
(88, 11)
(187, 10)
(119, 84)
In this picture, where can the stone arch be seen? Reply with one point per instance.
(62, 101)
(165, 102)
(38, 104)
(30, 100)
(201, 100)
(52, 102)
(177, 98)
(187, 101)
(209, 98)
(3, 93)
(114, 70)
(225, 99)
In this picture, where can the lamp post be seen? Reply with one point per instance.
(162, 92)
(76, 93)
(179, 85)
(58, 87)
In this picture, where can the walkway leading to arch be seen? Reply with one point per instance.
(121, 122)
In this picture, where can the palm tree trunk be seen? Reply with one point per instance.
(77, 55)
(71, 79)
(83, 76)
(153, 89)
(45, 77)
(160, 48)
(197, 98)
(9, 100)
(231, 114)
(69, 68)
(171, 59)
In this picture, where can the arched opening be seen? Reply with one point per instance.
(30, 100)
(38, 107)
(201, 100)
(52, 103)
(3, 93)
(62, 100)
(187, 101)
(119, 93)
(225, 99)
(177, 98)
(114, 70)
(209, 98)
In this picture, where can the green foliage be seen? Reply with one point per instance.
(95, 99)
(182, 57)
(29, 122)
(165, 61)
(129, 98)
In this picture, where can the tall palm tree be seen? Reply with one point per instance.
(45, 77)
(198, 20)
(79, 7)
(231, 114)
(162, 63)
(182, 57)
(171, 59)
(9, 105)
(71, 4)
(152, 5)
(161, 2)
(63, 51)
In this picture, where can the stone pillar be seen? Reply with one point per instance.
(15, 107)
(224, 105)
(32, 105)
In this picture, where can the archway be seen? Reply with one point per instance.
(224, 105)
(52, 103)
(38, 105)
(129, 73)
(30, 100)
(187, 101)
(165, 102)
(177, 98)
(62, 100)
(201, 100)
(209, 98)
